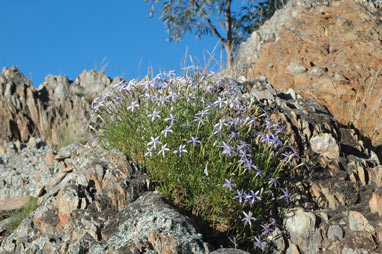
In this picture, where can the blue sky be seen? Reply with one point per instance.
(65, 37)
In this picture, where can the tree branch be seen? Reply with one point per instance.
(216, 32)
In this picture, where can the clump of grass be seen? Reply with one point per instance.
(66, 136)
(19, 215)
(204, 147)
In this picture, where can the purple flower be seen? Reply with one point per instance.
(172, 95)
(146, 96)
(193, 141)
(265, 138)
(163, 100)
(167, 130)
(97, 103)
(171, 118)
(248, 217)
(269, 124)
(181, 150)
(233, 135)
(154, 115)
(251, 198)
(290, 155)
(163, 149)
(133, 105)
(158, 81)
(274, 181)
(249, 165)
(233, 121)
(199, 120)
(259, 173)
(227, 149)
(229, 184)
(147, 85)
(287, 156)
(154, 142)
(120, 86)
(129, 86)
(219, 102)
(117, 100)
(149, 152)
(286, 195)
(240, 196)
(242, 145)
(267, 229)
(276, 141)
(219, 126)
(202, 113)
(259, 243)
(273, 222)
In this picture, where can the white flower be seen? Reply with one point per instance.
(154, 142)
(163, 149)
(181, 150)
(133, 105)
(166, 130)
(154, 115)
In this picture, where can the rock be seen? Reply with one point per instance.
(329, 51)
(32, 142)
(67, 201)
(295, 68)
(93, 83)
(325, 145)
(48, 111)
(14, 203)
(335, 232)
(359, 242)
(301, 227)
(293, 249)
(375, 202)
(160, 228)
(358, 222)
(260, 89)
(277, 240)
(49, 158)
(376, 175)
(99, 212)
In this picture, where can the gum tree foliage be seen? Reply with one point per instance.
(215, 17)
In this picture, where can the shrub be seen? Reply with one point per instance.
(206, 149)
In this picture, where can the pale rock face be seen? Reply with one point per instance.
(59, 108)
(325, 145)
(326, 50)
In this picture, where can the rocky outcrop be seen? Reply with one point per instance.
(59, 111)
(91, 201)
(330, 51)
(336, 196)
(95, 201)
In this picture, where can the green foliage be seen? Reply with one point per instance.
(182, 16)
(200, 147)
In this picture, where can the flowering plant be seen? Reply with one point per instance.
(204, 147)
